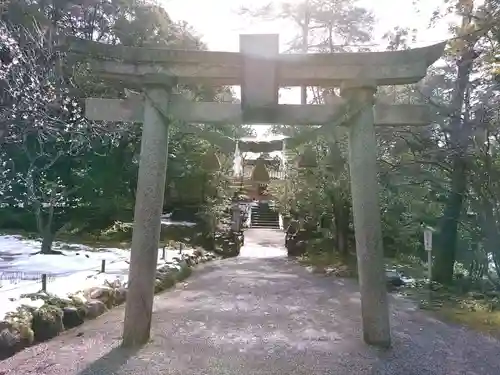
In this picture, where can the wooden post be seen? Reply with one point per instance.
(428, 247)
(163, 252)
(103, 265)
(147, 221)
(44, 282)
(366, 212)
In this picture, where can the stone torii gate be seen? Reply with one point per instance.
(260, 70)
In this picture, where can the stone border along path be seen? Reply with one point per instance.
(251, 315)
(29, 325)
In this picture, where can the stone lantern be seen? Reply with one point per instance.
(307, 159)
(260, 173)
(236, 217)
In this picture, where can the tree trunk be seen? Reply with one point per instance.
(47, 240)
(459, 141)
(342, 242)
(447, 240)
(342, 230)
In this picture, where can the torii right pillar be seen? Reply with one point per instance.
(366, 212)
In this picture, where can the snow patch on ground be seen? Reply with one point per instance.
(168, 222)
(79, 268)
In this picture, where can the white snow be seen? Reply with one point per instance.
(168, 222)
(78, 269)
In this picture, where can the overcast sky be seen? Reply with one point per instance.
(219, 25)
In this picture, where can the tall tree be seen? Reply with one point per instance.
(466, 50)
(60, 166)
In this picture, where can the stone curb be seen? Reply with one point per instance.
(29, 325)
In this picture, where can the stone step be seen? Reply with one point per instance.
(265, 217)
(265, 226)
(265, 214)
(265, 222)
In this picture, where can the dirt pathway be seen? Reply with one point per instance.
(262, 314)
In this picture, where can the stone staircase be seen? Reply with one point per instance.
(264, 217)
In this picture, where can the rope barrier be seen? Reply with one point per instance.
(39, 275)
(53, 276)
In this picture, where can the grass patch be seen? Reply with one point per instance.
(473, 310)
(473, 314)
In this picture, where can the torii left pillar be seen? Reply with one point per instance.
(147, 221)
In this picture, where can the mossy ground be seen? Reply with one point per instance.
(483, 321)
(474, 310)
(480, 315)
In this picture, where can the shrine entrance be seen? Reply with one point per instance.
(260, 70)
(259, 166)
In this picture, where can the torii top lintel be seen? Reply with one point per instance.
(258, 60)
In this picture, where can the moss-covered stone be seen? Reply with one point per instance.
(49, 299)
(72, 317)
(105, 294)
(228, 243)
(10, 343)
(20, 322)
(95, 308)
(165, 278)
(47, 322)
(158, 286)
(120, 295)
(59, 302)
(79, 302)
(28, 324)
(35, 296)
(16, 332)
(23, 314)
(78, 299)
(183, 273)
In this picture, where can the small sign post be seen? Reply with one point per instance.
(428, 247)
(428, 239)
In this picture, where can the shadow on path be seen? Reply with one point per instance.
(111, 362)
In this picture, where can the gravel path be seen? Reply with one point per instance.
(257, 315)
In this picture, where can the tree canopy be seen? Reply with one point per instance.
(60, 171)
